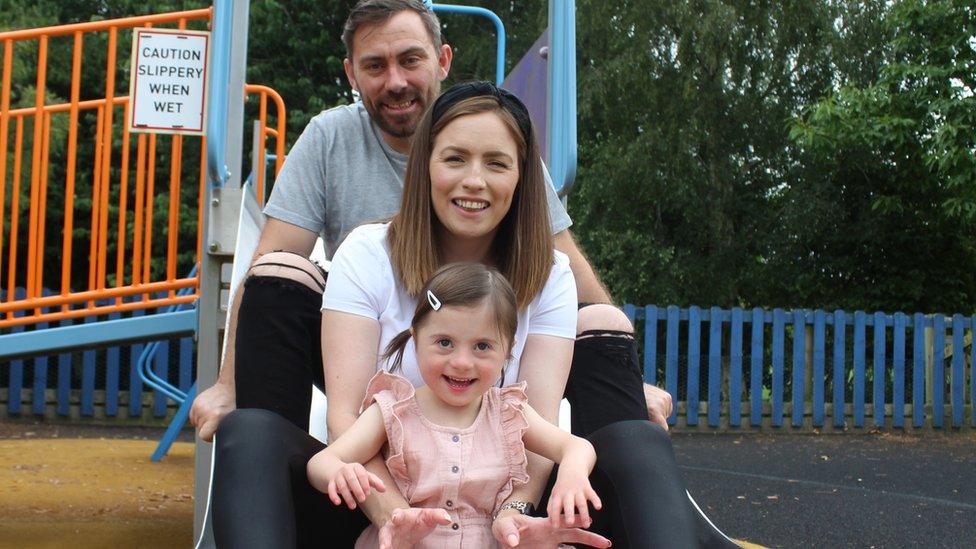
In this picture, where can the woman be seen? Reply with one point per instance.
(473, 192)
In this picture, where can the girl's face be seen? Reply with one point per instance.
(474, 168)
(460, 353)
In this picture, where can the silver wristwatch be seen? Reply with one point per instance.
(524, 507)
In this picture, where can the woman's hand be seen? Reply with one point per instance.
(407, 527)
(517, 530)
(351, 483)
(571, 492)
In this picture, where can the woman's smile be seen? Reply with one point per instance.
(471, 205)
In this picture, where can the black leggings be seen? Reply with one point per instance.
(262, 497)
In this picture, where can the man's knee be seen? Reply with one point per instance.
(622, 435)
(249, 434)
(601, 316)
(291, 267)
(629, 450)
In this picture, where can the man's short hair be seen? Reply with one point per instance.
(375, 12)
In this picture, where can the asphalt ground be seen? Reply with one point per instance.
(846, 490)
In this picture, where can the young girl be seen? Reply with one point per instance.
(457, 443)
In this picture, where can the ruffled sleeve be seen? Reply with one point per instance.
(394, 395)
(512, 399)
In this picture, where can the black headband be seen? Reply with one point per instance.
(467, 90)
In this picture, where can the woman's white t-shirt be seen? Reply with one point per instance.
(362, 282)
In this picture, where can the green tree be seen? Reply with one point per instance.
(896, 174)
(683, 114)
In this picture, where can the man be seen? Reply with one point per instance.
(396, 64)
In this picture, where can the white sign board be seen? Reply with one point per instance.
(168, 84)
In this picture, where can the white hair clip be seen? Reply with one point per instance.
(434, 302)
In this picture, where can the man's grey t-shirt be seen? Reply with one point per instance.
(341, 174)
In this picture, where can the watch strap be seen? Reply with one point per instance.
(523, 507)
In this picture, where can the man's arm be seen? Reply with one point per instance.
(589, 289)
(211, 405)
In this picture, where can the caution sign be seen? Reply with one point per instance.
(168, 84)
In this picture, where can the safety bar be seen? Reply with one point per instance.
(264, 93)
(95, 26)
(109, 332)
(499, 31)
(143, 367)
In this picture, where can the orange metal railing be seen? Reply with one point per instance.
(265, 132)
(132, 250)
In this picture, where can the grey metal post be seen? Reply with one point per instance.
(226, 130)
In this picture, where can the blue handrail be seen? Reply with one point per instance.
(143, 367)
(499, 30)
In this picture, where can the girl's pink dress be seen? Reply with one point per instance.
(468, 472)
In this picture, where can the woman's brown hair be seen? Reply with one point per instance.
(523, 247)
(461, 285)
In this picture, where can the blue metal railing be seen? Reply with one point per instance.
(75, 373)
(144, 367)
(499, 31)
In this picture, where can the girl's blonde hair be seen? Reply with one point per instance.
(461, 285)
(523, 245)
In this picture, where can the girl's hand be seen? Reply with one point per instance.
(535, 532)
(351, 483)
(571, 492)
(407, 527)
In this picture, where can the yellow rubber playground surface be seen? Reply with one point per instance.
(101, 493)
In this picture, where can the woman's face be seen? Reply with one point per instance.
(474, 168)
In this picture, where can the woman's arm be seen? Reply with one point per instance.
(349, 354)
(576, 458)
(338, 471)
(544, 367)
(555, 444)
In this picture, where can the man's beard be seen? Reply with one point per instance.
(402, 126)
(405, 128)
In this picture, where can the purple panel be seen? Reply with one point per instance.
(529, 81)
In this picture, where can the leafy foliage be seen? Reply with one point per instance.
(898, 153)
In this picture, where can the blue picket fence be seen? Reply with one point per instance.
(774, 366)
(76, 378)
(726, 368)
